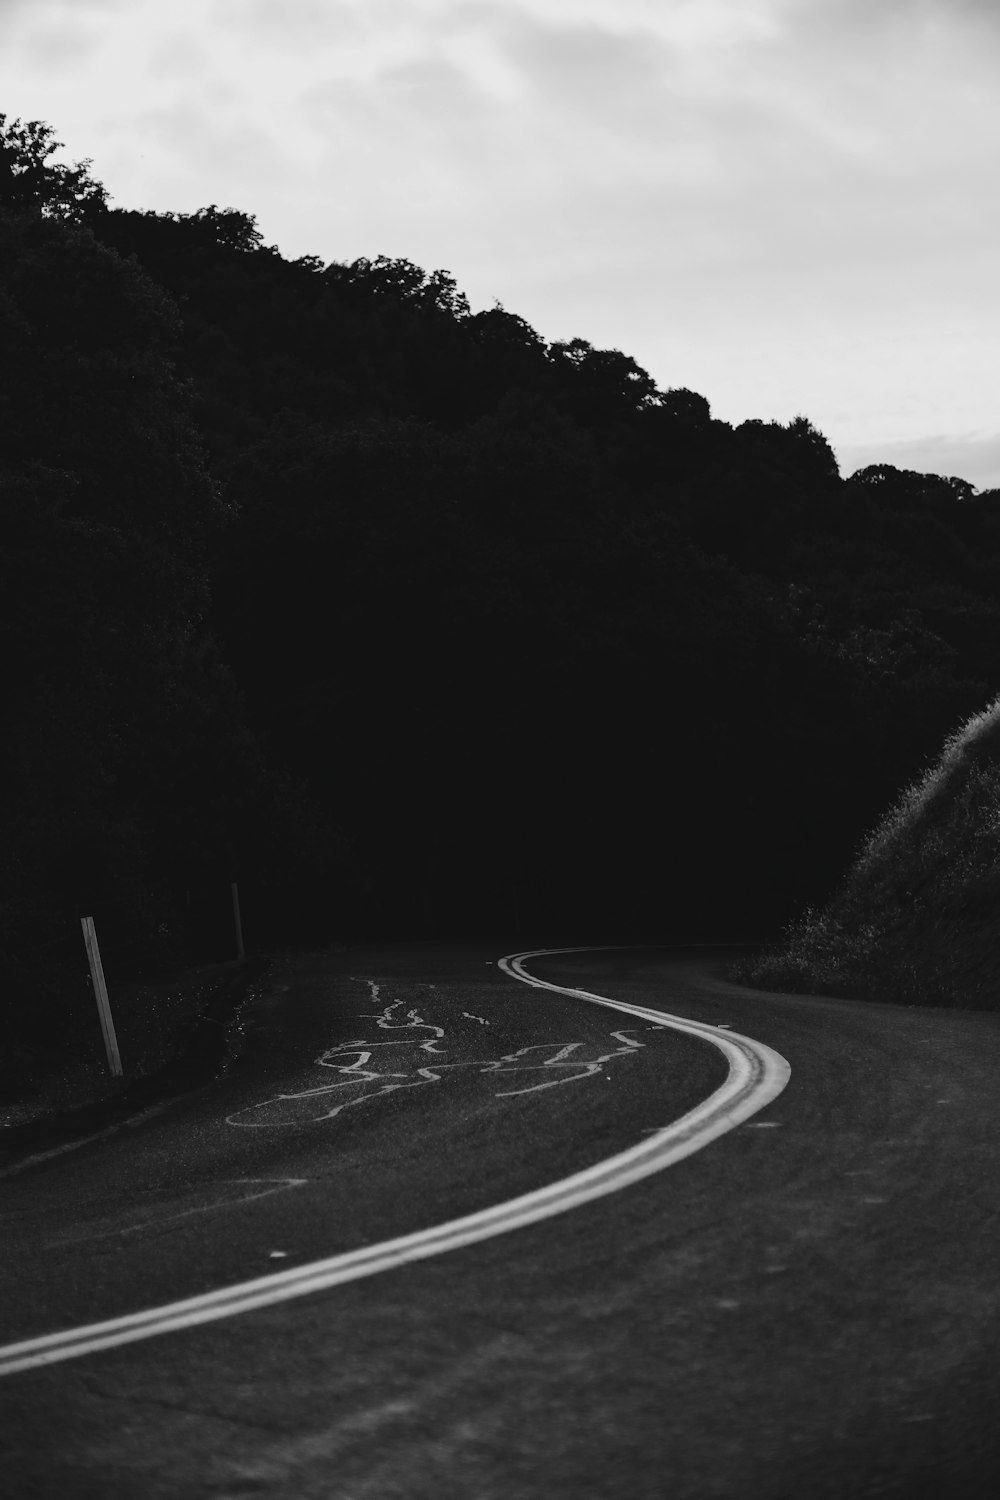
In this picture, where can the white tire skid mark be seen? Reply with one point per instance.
(304, 1107)
(757, 1074)
(385, 1020)
(596, 1065)
(579, 1069)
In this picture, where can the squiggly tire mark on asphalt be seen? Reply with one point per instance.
(326, 1101)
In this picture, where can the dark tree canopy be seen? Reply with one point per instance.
(30, 181)
(402, 281)
(313, 571)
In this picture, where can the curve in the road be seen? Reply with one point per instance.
(757, 1074)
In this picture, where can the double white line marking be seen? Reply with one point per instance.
(756, 1075)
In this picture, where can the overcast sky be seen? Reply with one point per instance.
(787, 205)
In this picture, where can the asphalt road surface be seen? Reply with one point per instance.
(803, 1303)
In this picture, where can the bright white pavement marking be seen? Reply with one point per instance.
(757, 1074)
(362, 1081)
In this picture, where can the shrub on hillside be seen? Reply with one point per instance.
(917, 919)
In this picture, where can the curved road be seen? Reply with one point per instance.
(808, 1306)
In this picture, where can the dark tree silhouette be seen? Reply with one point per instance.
(30, 181)
(458, 580)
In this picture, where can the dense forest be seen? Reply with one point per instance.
(416, 624)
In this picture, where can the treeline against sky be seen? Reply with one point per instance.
(416, 624)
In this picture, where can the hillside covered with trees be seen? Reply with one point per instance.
(417, 624)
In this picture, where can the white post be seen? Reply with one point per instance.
(101, 992)
(236, 921)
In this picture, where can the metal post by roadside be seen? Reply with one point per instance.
(237, 923)
(101, 994)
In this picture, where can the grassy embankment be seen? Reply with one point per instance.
(917, 919)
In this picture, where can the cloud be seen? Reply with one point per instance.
(585, 64)
(243, 153)
(56, 32)
(783, 203)
(291, 25)
(177, 56)
(861, 17)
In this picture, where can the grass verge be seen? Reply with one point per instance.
(916, 921)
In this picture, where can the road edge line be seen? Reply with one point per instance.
(757, 1074)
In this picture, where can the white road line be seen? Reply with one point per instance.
(757, 1075)
(39, 1156)
(279, 1185)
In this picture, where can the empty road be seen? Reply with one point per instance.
(689, 1267)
